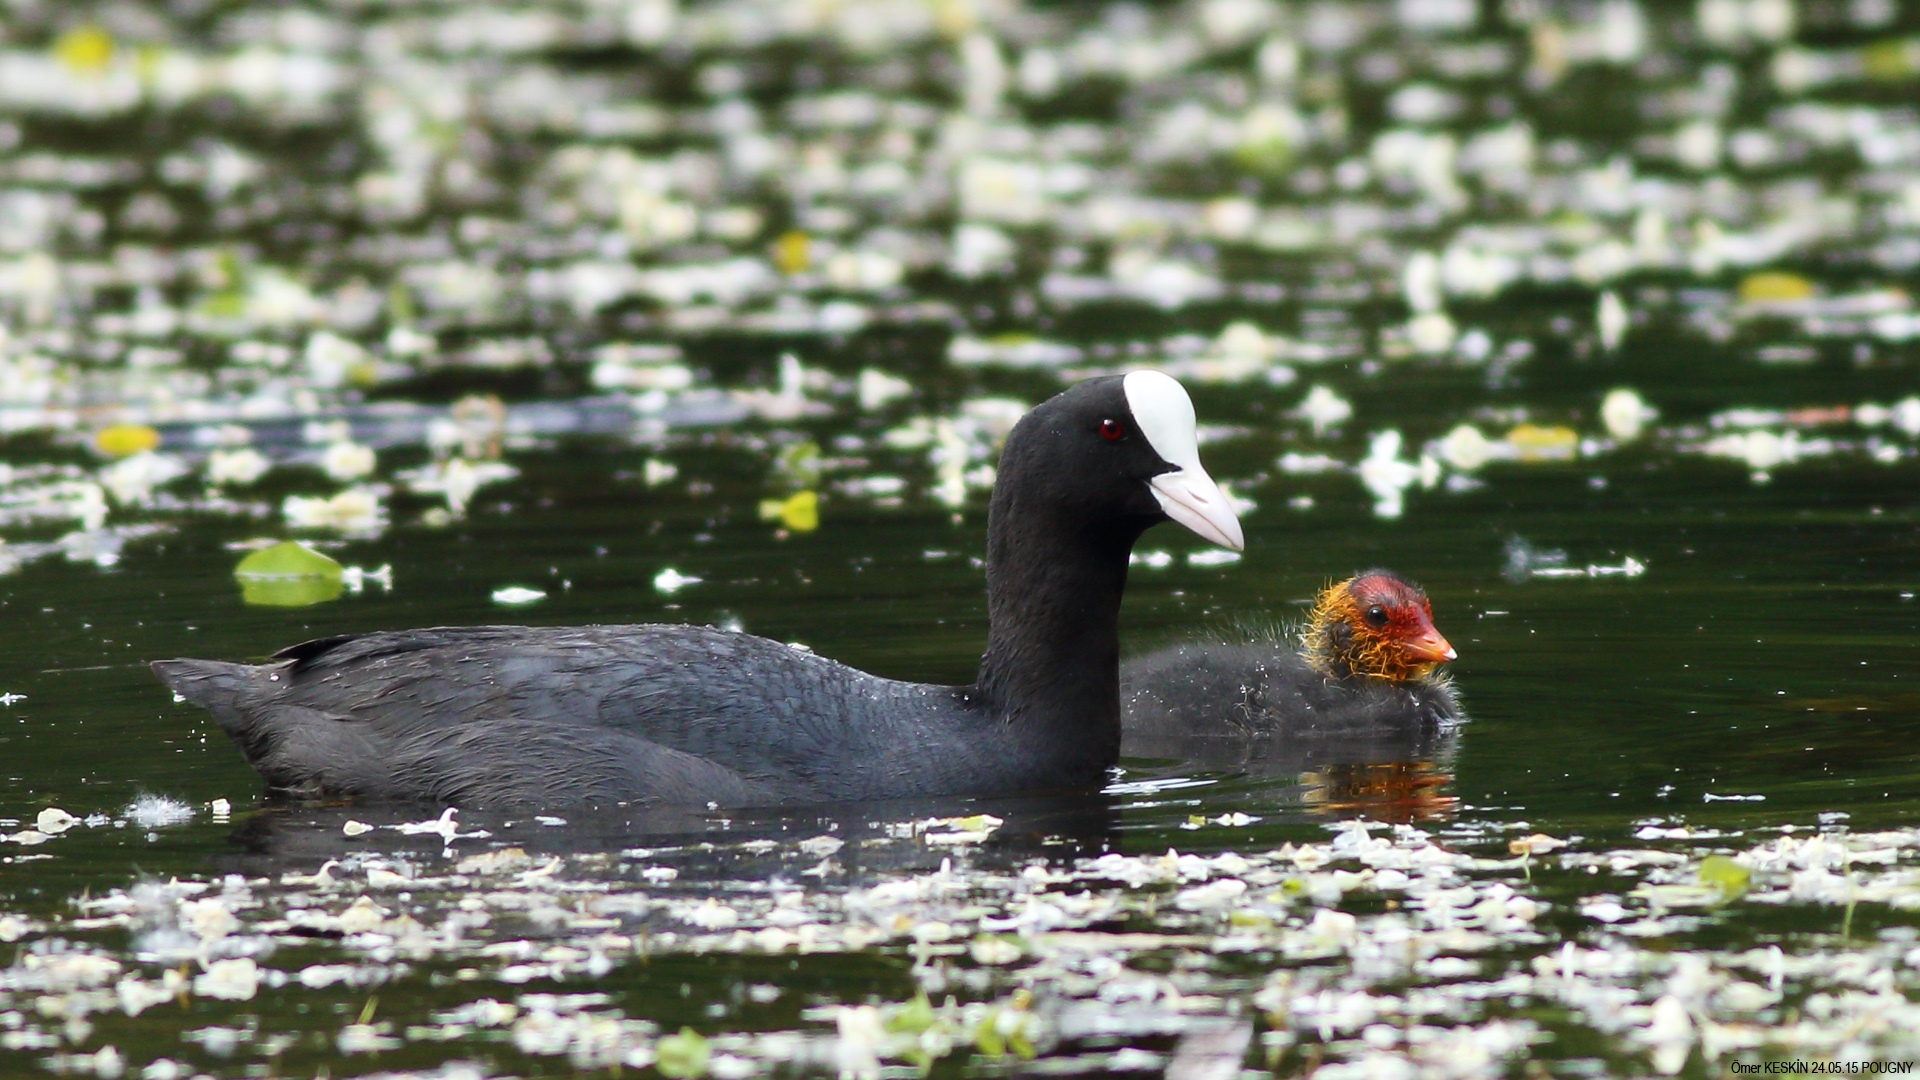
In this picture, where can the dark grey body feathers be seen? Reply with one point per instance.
(599, 714)
(1266, 689)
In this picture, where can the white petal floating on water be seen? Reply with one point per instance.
(445, 826)
(458, 479)
(877, 388)
(1011, 350)
(1213, 557)
(136, 995)
(1624, 413)
(671, 581)
(1309, 464)
(332, 359)
(979, 250)
(229, 980)
(132, 480)
(357, 510)
(1431, 333)
(208, 918)
(1697, 144)
(1629, 567)
(355, 578)
(1905, 415)
(1762, 449)
(1386, 474)
(1466, 449)
(347, 461)
(517, 595)
(1611, 320)
(1670, 1034)
(54, 820)
(656, 472)
(1323, 409)
(242, 466)
(1002, 191)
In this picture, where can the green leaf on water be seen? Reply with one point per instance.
(1271, 157)
(683, 1056)
(913, 1017)
(799, 464)
(986, 1036)
(288, 574)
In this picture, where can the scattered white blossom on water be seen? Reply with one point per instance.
(671, 581)
(1374, 925)
(517, 596)
(1388, 196)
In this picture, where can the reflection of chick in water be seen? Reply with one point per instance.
(1360, 705)
(1399, 792)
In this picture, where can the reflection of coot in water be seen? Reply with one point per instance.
(676, 714)
(883, 836)
(1363, 685)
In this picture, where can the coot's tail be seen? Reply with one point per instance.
(224, 690)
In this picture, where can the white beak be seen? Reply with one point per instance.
(1190, 497)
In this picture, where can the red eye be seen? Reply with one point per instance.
(1111, 430)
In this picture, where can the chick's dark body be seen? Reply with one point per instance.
(1266, 689)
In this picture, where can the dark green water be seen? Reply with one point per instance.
(1763, 651)
(594, 229)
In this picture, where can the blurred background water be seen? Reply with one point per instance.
(1597, 319)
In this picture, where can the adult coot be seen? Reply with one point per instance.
(514, 715)
(1366, 667)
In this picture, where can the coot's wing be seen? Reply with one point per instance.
(543, 715)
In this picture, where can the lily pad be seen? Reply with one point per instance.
(288, 574)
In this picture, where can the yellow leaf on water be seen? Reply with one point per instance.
(799, 512)
(792, 253)
(1774, 287)
(86, 49)
(126, 440)
(1721, 872)
(1536, 443)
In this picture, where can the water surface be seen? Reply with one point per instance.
(675, 266)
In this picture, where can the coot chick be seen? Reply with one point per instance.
(1366, 670)
(514, 715)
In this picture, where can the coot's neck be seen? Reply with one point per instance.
(1051, 671)
(1328, 644)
